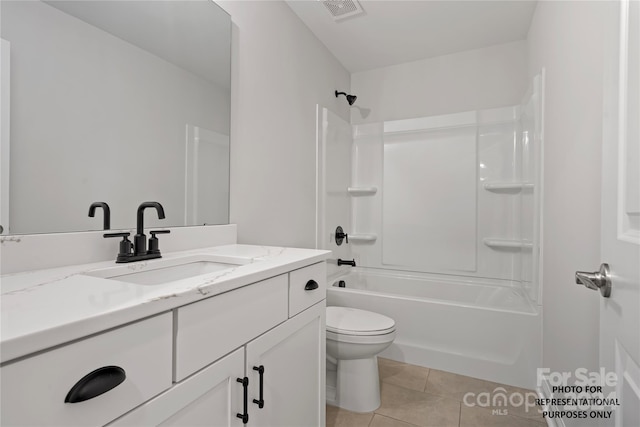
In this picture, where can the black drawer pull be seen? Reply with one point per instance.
(96, 383)
(245, 385)
(260, 402)
(311, 285)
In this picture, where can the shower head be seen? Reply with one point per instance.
(350, 98)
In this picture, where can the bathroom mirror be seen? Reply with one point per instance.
(113, 101)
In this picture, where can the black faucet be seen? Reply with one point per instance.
(352, 263)
(140, 240)
(106, 222)
(137, 250)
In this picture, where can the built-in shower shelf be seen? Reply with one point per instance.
(507, 243)
(511, 187)
(362, 238)
(362, 191)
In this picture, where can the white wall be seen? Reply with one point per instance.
(490, 77)
(280, 71)
(94, 118)
(567, 39)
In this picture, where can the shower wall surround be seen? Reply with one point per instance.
(443, 222)
(454, 194)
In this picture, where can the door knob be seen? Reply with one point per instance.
(598, 280)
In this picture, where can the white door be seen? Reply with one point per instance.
(620, 230)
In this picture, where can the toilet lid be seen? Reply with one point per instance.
(352, 321)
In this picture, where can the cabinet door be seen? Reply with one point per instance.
(293, 357)
(211, 397)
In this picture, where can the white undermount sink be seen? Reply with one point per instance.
(162, 271)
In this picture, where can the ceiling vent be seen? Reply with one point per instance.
(341, 9)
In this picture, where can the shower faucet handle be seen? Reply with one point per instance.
(341, 235)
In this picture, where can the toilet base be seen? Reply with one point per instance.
(357, 385)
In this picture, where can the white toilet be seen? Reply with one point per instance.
(354, 338)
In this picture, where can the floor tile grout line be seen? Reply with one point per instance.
(442, 396)
(427, 382)
(397, 419)
(373, 415)
(459, 414)
(416, 390)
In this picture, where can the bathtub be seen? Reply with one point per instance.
(476, 327)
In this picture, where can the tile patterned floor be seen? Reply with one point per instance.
(416, 396)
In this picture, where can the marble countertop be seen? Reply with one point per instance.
(44, 308)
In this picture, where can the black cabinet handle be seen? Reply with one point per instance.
(311, 285)
(260, 402)
(96, 383)
(245, 385)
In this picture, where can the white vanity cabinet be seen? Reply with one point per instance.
(191, 366)
(277, 325)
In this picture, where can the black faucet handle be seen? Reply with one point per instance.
(123, 234)
(154, 243)
(126, 247)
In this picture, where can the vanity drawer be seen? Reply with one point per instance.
(34, 390)
(303, 292)
(211, 328)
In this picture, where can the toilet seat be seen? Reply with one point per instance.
(343, 321)
(361, 339)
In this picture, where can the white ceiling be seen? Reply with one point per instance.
(396, 31)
